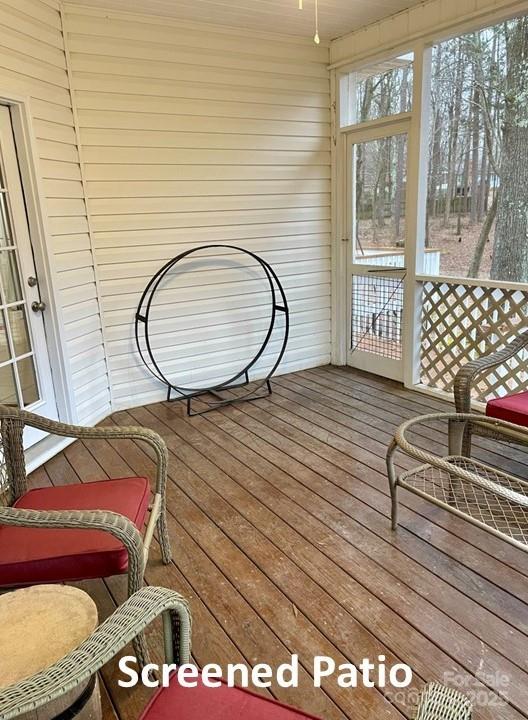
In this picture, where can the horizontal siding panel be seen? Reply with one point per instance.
(250, 294)
(258, 304)
(85, 349)
(26, 65)
(203, 188)
(65, 207)
(175, 88)
(298, 287)
(11, 17)
(38, 10)
(58, 170)
(75, 278)
(45, 130)
(66, 243)
(205, 37)
(69, 189)
(199, 124)
(183, 54)
(209, 157)
(320, 269)
(193, 73)
(32, 47)
(204, 236)
(57, 151)
(73, 261)
(162, 253)
(201, 143)
(196, 107)
(68, 225)
(92, 353)
(209, 173)
(79, 294)
(52, 112)
(147, 268)
(190, 220)
(161, 205)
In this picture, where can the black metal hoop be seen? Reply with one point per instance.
(239, 379)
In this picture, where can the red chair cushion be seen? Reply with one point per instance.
(512, 408)
(39, 555)
(223, 703)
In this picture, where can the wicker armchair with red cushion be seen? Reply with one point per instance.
(512, 408)
(80, 531)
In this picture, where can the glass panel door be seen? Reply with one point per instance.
(25, 374)
(376, 196)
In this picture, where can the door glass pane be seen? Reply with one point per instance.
(5, 353)
(10, 277)
(5, 232)
(8, 393)
(379, 178)
(19, 329)
(28, 380)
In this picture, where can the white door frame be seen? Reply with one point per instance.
(42, 250)
(411, 123)
(354, 135)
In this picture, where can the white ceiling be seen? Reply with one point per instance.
(336, 17)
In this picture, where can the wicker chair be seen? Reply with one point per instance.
(466, 378)
(436, 703)
(53, 534)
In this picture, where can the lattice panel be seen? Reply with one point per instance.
(464, 322)
(377, 306)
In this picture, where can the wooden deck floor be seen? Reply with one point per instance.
(278, 514)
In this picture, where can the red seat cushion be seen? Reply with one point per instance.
(223, 703)
(37, 555)
(512, 408)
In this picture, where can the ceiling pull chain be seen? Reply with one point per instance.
(316, 36)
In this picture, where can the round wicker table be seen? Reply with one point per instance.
(38, 626)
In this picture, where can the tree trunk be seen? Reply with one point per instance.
(475, 141)
(474, 268)
(400, 161)
(510, 252)
(454, 123)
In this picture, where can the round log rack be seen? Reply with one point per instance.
(241, 379)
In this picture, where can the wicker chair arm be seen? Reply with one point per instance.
(117, 525)
(109, 638)
(509, 430)
(467, 374)
(106, 432)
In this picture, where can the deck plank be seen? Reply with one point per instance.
(278, 516)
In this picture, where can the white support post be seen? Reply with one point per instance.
(417, 162)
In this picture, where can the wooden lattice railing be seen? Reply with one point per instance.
(461, 322)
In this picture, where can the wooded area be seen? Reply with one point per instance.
(477, 202)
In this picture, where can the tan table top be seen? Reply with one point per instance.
(39, 625)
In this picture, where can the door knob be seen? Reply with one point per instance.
(38, 306)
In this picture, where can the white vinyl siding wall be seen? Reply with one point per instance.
(33, 65)
(191, 136)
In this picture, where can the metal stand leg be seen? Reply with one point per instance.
(393, 481)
